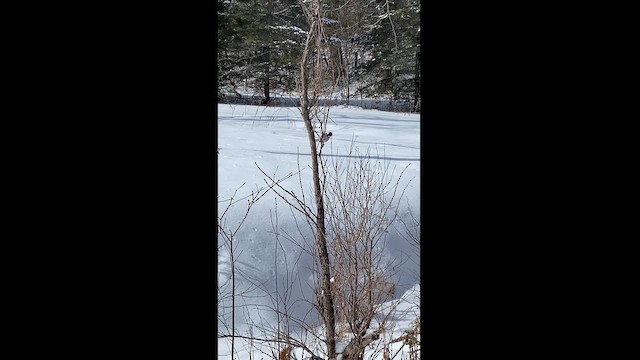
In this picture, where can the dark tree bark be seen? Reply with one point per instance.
(416, 79)
(267, 52)
(267, 91)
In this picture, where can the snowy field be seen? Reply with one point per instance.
(269, 244)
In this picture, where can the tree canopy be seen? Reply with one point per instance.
(374, 47)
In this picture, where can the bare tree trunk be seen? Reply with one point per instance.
(267, 52)
(321, 239)
(347, 70)
(416, 79)
(233, 298)
(267, 91)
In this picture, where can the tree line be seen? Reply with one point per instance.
(372, 48)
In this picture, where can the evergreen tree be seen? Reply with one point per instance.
(374, 46)
(346, 23)
(260, 45)
(228, 42)
(392, 65)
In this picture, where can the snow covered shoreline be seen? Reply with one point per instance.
(291, 100)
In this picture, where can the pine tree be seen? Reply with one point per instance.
(228, 43)
(392, 63)
(374, 46)
(260, 45)
(346, 22)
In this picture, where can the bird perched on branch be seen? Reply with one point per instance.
(325, 137)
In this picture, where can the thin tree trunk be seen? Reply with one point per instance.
(267, 91)
(346, 68)
(321, 240)
(348, 81)
(267, 52)
(233, 298)
(327, 298)
(416, 105)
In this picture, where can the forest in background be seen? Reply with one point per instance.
(373, 49)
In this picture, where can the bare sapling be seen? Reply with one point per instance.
(312, 84)
(227, 241)
(277, 336)
(363, 199)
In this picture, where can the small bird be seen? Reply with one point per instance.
(325, 137)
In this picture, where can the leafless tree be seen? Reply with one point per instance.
(312, 75)
(276, 335)
(227, 241)
(363, 198)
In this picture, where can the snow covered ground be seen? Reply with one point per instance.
(269, 244)
(406, 310)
